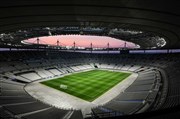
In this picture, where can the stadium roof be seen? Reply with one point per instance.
(153, 19)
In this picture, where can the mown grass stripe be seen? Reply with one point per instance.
(88, 85)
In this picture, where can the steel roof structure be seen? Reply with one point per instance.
(154, 17)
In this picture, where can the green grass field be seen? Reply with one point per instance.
(88, 85)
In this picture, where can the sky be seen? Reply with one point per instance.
(81, 41)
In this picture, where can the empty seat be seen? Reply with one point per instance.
(143, 82)
(27, 107)
(12, 100)
(77, 115)
(132, 96)
(51, 113)
(9, 86)
(136, 88)
(125, 107)
(13, 93)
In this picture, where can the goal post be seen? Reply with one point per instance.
(62, 86)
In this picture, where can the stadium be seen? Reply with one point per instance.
(131, 73)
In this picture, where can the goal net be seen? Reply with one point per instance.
(63, 86)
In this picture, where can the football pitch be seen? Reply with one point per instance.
(87, 85)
